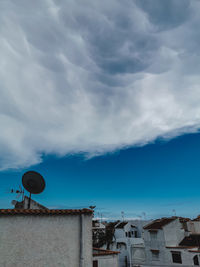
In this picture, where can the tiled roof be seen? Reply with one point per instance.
(191, 240)
(121, 225)
(44, 212)
(103, 252)
(197, 218)
(158, 224)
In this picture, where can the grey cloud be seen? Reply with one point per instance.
(94, 77)
(166, 14)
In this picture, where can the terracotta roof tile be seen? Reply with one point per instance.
(103, 252)
(121, 225)
(44, 211)
(159, 223)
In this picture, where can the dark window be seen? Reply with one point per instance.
(155, 255)
(196, 260)
(126, 261)
(129, 234)
(95, 263)
(176, 257)
(126, 234)
(136, 235)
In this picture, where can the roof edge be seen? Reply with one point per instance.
(45, 211)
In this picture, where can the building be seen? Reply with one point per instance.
(127, 234)
(173, 241)
(105, 258)
(42, 237)
(121, 236)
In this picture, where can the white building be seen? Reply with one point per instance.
(33, 237)
(127, 234)
(105, 258)
(170, 242)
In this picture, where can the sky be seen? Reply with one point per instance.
(103, 99)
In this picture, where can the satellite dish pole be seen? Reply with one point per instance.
(29, 201)
(34, 183)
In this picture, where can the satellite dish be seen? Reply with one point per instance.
(33, 182)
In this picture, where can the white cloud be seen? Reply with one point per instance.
(95, 76)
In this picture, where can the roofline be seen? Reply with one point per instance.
(29, 212)
(157, 220)
(104, 252)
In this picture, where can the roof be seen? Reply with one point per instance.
(191, 240)
(121, 225)
(197, 218)
(159, 223)
(103, 252)
(44, 212)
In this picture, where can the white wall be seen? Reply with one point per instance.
(107, 260)
(194, 226)
(44, 241)
(173, 233)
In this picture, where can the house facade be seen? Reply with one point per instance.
(33, 237)
(170, 242)
(125, 235)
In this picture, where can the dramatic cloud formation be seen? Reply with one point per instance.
(95, 76)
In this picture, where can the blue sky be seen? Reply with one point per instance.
(155, 179)
(105, 80)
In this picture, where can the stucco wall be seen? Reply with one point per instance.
(107, 261)
(173, 233)
(44, 241)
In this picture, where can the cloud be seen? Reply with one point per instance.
(95, 77)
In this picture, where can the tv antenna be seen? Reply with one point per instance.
(174, 212)
(122, 213)
(19, 192)
(34, 183)
(144, 215)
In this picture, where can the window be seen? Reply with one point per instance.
(176, 256)
(126, 261)
(136, 235)
(126, 234)
(95, 263)
(196, 260)
(155, 255)
(129, 234)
